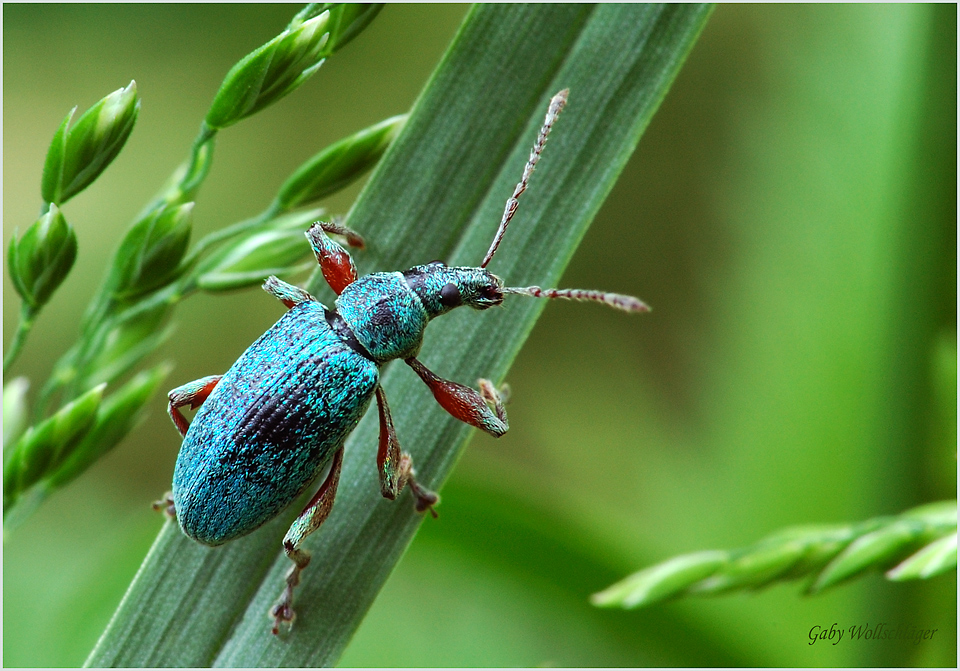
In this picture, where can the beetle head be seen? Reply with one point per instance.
(442, 288)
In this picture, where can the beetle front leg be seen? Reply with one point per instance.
(336, 264)
(309, 521)
(192, 394)
(396, 467)
(465, 403)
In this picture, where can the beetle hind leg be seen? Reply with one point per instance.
(313, 515)
(395, 467)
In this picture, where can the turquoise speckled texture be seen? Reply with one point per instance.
(473, 285)
(270, 426)
(385, 315)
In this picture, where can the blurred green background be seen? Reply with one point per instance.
(790, 215)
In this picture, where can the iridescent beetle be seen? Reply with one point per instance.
(279, 417)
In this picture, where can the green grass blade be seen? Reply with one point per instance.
(438, 193)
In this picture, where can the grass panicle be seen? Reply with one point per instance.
(155, 266)
(914, 545)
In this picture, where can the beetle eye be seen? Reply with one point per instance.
(450, 296)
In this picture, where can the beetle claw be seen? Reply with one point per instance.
(282, 613)
(426, 498)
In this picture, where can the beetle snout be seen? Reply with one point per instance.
(491, 296)
(488, 293)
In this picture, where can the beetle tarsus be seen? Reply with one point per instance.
(336, 227)
(285, 292)
(306, 523)
(283, 613)
(192, 394)
(426, 498)
(166, 506)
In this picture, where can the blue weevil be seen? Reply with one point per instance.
(279, 417)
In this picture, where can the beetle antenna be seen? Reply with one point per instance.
(553, 111)
(619, 301)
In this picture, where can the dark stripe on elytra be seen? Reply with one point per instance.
(272, 416)
(274, 424)
(277, 421)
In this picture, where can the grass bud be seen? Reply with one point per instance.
(78, 154)
(150, 254)
(14, 409)
(127, 339)
(339, 164)
(116, 416)
(267, 74)
(249, 260)
(347, 20)
(41, 259)
(44, 447)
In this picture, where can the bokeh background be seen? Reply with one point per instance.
(791, 216)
